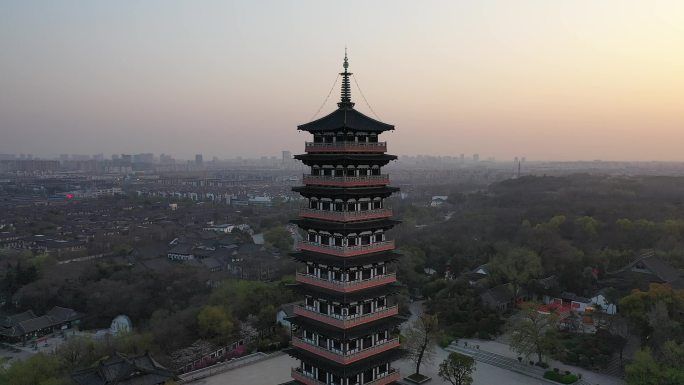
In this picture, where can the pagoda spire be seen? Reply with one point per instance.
(345, 100)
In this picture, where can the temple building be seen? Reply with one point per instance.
(346, 331)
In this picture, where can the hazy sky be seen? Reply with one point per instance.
(544, 79)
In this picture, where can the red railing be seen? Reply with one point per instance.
(346, 181)
(346, 251)
(391, 376)
(346, 322)
(347, 287)
(345, 358)
(345, 147)
(345, 216)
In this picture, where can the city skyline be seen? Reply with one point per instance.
(550, 81)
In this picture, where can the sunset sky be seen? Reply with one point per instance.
(549, 80)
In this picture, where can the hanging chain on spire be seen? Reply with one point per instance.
(364, 98)
(326, 98)
(345, 100)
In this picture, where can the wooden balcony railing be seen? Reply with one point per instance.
(346, 181)
(345, 358)
(346, 147)
(347, 287)
(345, 216)
(391, 376)
(347, 251)
(346, 322)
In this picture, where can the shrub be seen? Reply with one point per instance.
(562, 378)
(443, 340)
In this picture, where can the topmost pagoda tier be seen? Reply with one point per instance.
(346, 118)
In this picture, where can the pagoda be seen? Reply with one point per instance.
(346, 330)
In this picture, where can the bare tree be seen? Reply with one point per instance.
(619, 327)
(419, 345)
(533, 332)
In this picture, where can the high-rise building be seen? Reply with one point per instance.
(198, 159)
(287, 156)
(345, 332)
(476, 157)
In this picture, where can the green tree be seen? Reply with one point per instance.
(533, 332)
(644, 370)
(215, 321)
(39, 369)
(654, 312)
(517, 266)
(457, 369)
(280, 238)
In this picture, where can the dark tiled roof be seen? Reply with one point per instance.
(27, 322)
(574, 297)
(182, 248)
(661, 268)
(346, 192)
(346, 227)
(344, 159)
(16, 318)
(123, 370)
(346, 118)
(211, 263)
(63, 314)
(345, 370)
(501, 294)
(35, 324)
(288, 308)
(308, 256)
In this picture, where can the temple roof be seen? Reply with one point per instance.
(355, 332)
(345, 192)
(345, 227)
(354, 296)
(345, 158)
(332, 260)
(124, 370)
(346, 118)
(344, 370)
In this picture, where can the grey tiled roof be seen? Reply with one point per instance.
(123, 370)
(346, 118)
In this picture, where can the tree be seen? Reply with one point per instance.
(457, 369)
(654, 312)
(619, 329)
(39, 369)
(644, 370)
(518, 266)
(76, 352)
(419, 344)
(215, 322)
(665, 369)
(533, 332)
(279, 238)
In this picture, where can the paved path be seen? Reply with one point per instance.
(503, 362)
(505, 355)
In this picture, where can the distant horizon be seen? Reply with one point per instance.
(569, 81)
(208, 157)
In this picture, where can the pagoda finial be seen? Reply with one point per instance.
(345, 101)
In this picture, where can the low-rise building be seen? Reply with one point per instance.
(125, 370)
(27, 325)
